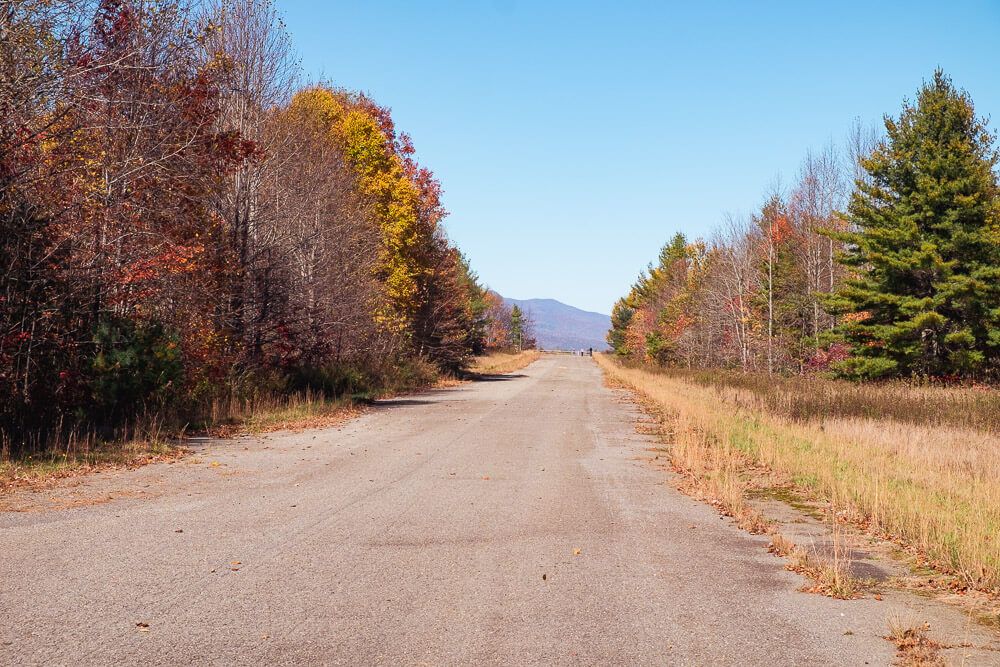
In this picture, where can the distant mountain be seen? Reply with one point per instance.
(561, 327)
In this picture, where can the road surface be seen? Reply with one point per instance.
(511, 521)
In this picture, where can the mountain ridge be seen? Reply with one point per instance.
(559, 326)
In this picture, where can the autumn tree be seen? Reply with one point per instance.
(178, 227)
(111, 219)
(478, 303)
(812, 211)
(315, 286)
(245, 41)
(905, 283)
(32, 75)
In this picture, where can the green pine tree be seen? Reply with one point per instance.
(621, 315)
(925, 248)
(517, 328)
(675, 250)
(668, 297)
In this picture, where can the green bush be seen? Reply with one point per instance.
(134, 365)
(331, 381)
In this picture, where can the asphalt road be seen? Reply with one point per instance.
(513, 521)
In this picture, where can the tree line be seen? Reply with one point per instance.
(182, 216)
(881, 260)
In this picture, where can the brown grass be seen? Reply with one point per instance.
(503, 362)
(781, 545)
(812, 398)
(263, 414)
(931, 482)
(831, 577)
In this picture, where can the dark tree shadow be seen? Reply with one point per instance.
(398, 402)
(488, 377)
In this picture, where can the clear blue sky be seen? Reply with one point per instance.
(573, 138)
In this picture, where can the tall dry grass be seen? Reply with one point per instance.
(808, 398)
(64, 452)
(265, 412)
(931, 480)
(503, 362)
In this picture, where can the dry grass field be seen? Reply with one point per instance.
(919, 464)
(503, 362)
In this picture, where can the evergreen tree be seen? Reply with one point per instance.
(476, 304)
(667, 299)
(674, 251)
(517, 328)
(925, 245)
(621, 315)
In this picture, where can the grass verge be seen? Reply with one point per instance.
(151, 438)
(78, 454)
(935, 488)
(264, 414)
(82, 457)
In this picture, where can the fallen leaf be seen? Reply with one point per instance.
(214, 464)
(577, 552)
(142, 627)
(486, 477)
(236, 562)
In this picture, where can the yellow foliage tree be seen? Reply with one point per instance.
(393, 198)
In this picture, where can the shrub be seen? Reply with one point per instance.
(134, 364)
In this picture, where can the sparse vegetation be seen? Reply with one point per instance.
(913, 647)
(78, 454)
(831, 575)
